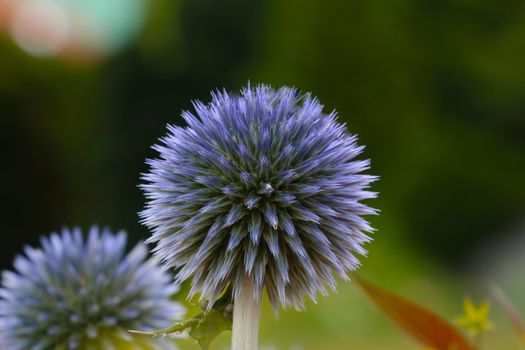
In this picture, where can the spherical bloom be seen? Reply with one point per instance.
(76, 294)
(263, 185)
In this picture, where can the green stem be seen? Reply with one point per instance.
(177, 327)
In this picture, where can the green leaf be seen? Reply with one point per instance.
(424, 325)
(204, 327)
(214, 323)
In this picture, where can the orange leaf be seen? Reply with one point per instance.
(421, 323)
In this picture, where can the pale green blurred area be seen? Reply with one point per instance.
(348, 320)
(435, 89)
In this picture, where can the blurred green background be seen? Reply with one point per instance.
(435, 89)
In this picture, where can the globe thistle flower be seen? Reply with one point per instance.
(262, 186)
(76, 294)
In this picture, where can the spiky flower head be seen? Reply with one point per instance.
(84, 294)
(261, 185)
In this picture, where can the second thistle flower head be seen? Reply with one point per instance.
(84, 294)
(262, 186)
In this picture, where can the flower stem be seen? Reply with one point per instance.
(246, 314)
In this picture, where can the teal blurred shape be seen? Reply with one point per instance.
(111, 24)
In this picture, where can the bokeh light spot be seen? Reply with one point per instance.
(40, 28)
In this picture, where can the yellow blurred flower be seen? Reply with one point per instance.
(475, 319)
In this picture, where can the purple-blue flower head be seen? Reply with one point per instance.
(261, 185)
(84, 294)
